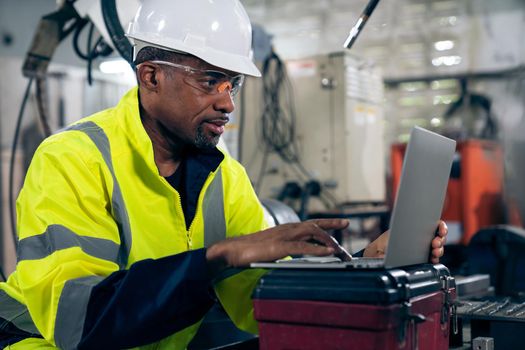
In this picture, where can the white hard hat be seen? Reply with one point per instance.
(216, 31)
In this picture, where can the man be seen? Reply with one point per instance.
(126, 217)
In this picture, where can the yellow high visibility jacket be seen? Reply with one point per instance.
(93, 211)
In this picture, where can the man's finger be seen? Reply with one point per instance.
(310, 231)
(322, 238)
(437, 242)
(437, 252)
(302, 247)
(442, 228)
(331, 224)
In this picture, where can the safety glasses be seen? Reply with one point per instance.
(209, 81)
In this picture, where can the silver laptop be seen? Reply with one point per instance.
(416, 213)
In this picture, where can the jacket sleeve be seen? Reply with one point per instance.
(76, 293)
(244, 215)
(137, 307)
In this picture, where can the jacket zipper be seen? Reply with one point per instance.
(179, 209)
(189, 238)
(199, 208)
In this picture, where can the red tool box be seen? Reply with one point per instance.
(355, 309)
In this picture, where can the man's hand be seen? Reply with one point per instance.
(377, 247)
(276, 243)
(438, 243)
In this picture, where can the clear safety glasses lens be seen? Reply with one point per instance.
(208, 81)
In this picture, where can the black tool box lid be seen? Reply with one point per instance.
(352, 286)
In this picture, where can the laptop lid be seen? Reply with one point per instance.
(420, 196)
(417, 209)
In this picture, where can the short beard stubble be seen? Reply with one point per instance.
(203, 142)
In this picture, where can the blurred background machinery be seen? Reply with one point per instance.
(324, 130)
(337, 134)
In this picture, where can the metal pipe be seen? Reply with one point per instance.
(356, 29)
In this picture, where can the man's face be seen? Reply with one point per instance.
(190, 115)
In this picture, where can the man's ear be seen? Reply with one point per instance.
(147, 76)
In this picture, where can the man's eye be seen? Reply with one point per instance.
(208, 82)
(211, 82)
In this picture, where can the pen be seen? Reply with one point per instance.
(340, 251)
(343, 254)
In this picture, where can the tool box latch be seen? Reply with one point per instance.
(408, 318)
(449, 308)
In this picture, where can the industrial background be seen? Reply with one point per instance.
(335, 143)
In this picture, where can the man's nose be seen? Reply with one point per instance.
(224, 101)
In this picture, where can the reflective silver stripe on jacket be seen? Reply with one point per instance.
(57, 237)
(213, 212)
(99, 137)
(16, 313)
(71, 312)
(74, 299)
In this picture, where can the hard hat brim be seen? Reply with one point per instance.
(235, 63)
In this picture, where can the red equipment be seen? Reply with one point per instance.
(474, 197)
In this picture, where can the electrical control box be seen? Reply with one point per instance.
(339, 129)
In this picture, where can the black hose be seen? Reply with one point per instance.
(41, 98)
(90, 56)
(278, 122)
(80, 26)
(12, 162)
(115, 30)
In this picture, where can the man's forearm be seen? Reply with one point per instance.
(126, 309)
